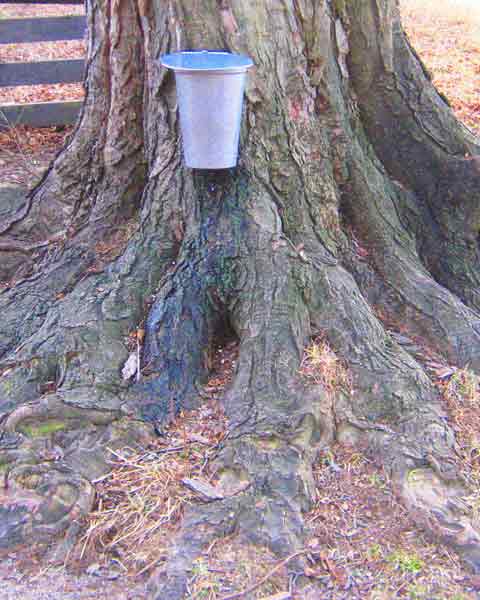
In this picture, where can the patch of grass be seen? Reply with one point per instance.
(43, 429)
(416, 591)
(377, 481)
(205, 586)
(320, 365)
(405, 561)
(375, 552)
(200, 568)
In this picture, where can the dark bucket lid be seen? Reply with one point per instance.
(206, 61)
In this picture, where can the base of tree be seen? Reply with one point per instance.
(352, 216)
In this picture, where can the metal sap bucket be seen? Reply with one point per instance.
(210, 87)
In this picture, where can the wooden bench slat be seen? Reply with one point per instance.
(48, 71)
(41, 114)
(42, 29)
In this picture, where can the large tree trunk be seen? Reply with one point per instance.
(344, 140)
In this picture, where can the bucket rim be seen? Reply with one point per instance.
(197, 61)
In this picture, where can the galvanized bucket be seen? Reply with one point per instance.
(210, 87)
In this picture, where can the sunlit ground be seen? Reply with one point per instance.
(446, 34)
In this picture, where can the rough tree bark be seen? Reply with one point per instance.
(344, 138)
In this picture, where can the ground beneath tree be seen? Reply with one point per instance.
(362, 544)
(446, 34)
(58, 584)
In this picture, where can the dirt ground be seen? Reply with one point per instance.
(58, 584)
(364, 544)
(361, 544)
(446, 34)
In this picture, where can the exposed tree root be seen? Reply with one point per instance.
(421, 145)
(273, 439)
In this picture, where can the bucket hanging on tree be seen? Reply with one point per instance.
(210, 89)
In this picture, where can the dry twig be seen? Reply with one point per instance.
(270, 574)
